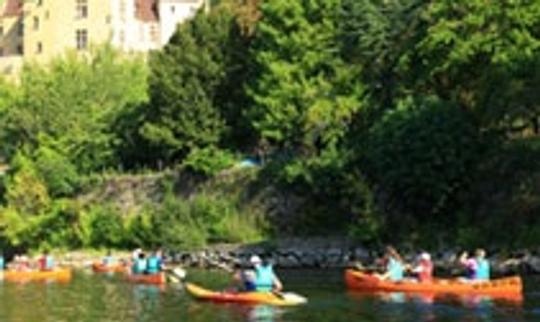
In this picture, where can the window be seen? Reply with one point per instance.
(142, 37)
(82, 9)
(36, 23)
(20, 30)
(20, 49)
(82, 39)
(39, 48)
(154, 34)
(1, 31)
(173, 9)
(40, 2)
(122, 10)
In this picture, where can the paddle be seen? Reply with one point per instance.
(176, 275)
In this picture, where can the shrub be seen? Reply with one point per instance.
(209, 161)
(103, 226)
(59, 174)
(25, 190)
(139, 230)
(422, 156)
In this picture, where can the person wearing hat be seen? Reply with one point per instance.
(424, 269)
(265, 278)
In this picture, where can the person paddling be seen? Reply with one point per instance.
(154, 263)
(424, 269)
(139, 265)
(108, 260)
(393, 265)
(265, 278)
(46, 262)
(477, 267)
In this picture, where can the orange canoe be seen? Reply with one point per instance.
(59, 275)
(357, 280)
(101, 268)
(157, 279)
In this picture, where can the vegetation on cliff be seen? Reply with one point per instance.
(383, 120)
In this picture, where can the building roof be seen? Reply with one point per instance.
(146, 10)
(12, 8)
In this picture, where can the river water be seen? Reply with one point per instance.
(89, 297)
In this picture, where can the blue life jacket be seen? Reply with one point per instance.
(395, 268)
(2, 263)
(483, 271)
(264, 278)
(153, 265)
(139, 266)
(108, 260)
(49, 263)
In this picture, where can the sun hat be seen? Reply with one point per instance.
(255, 260)
(425, 256)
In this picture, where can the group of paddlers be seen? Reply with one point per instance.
(260, 276)
(477, 267)
(139, 263)
(24, 263)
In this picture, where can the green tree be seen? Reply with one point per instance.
(420, 157)
(25, 190)
(196, 86)
(381, 37)
(485, 58)
(304, 94)
(76, 115)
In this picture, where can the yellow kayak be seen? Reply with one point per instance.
(270, 298)
(58, 275)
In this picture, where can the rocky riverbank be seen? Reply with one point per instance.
(326, 253)
(321, 253)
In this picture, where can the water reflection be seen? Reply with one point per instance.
(258, 313)
(146, 301)
(97, 298)
(439, 307)
(468, 300)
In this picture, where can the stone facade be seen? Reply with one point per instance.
(38, 30)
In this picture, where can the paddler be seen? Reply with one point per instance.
(424, 268)
(109, 259)
(393, 265)
(265, 278)
(46, 262)
(154, 263)
(477, 267)
(139, 265)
